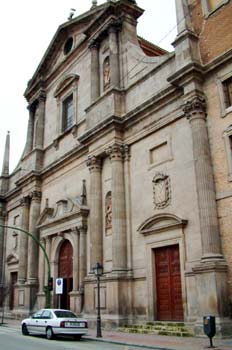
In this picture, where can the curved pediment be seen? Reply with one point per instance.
(161, 222)
(65, 83)
(12, 259)
(63, 211)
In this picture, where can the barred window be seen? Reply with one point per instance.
(67, 113)
(227, 85)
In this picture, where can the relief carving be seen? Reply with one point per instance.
(161, 190)
(108, 214)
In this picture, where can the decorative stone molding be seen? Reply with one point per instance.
(196, 106)
(94, 163)
(161, 190)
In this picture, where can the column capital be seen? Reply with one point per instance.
(25, 201)
(36, 196)
(115, 27)
(94, 44)
(94, 163)
(42, 96)
(196, 107)
(118, 152)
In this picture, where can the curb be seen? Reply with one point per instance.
(126, 343)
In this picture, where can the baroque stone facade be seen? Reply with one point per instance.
(128, 168)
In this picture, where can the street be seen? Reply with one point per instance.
(12, 339)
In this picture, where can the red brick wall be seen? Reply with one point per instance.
(215, 31)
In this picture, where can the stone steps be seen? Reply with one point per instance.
(178, 329)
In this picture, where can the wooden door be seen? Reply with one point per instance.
(65, 271)
(13, 281)
(168, 284)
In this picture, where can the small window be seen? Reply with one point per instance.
(67, 113)
(68, 45)
(227, 85)
(212, 5)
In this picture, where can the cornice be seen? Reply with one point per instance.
(133, 117)
(191, 71)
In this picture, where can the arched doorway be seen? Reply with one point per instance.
(65, 271)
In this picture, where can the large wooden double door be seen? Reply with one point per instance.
(65, 271)
(169, 304)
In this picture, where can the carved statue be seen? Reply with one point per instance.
(106, 72)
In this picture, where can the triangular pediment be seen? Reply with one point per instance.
(161, 222)
(54, 55)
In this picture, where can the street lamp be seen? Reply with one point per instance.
(98, 271)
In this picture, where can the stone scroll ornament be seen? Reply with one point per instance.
(108, 213)
(161, 190)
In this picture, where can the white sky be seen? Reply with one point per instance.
(26, 29)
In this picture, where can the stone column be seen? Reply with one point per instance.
(95, 78)
(119, 239)
(48, 242)
(211, 272)
(2, 221)
(128, 206)
(41, 267)
(39, 127)
(195, 111)
(33, 247)
(114, 56)
(82, 257)
(95, 167)
(23, 241)
(75, 237)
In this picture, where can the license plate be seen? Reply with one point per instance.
(75, 324)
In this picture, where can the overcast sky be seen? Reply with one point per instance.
(26, 29)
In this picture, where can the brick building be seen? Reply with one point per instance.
(127, 162)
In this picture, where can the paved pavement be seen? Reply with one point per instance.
(145, 341)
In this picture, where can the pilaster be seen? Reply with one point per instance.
(2, 221)
(95, 77)
(114, 56)
(40, 116)
(30, 129)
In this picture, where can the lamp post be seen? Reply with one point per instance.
(98, 271)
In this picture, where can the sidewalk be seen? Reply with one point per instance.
(145, 341)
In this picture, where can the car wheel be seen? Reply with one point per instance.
(24, 330)
(77, 336)
(49, 333)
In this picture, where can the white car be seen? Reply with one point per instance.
(53, 322)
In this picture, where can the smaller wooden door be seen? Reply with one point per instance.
(168, 284)
(65, 271)
(13, 281)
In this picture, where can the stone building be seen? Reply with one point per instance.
(127, 162)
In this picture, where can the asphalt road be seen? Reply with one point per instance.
(12, 339)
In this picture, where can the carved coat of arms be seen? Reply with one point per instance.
(161, 190)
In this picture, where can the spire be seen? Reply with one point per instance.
(6, 159)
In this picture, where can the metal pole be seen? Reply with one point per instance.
(46, 290)
(99, 332)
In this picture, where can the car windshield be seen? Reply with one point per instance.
(63, 313)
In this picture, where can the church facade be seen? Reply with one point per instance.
(127, 163)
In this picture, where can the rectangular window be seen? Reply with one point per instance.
(67, 113)
(227, 85)
(213, 4)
